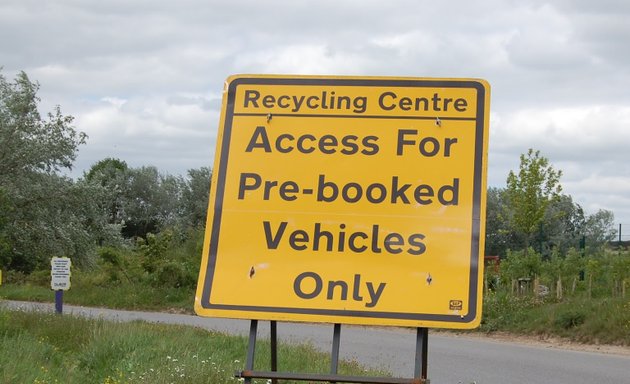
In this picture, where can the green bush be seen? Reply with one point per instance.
(503, 311)
(175, 275)
(13, 277)
(111, 255)
(40, 278)
(569, 319)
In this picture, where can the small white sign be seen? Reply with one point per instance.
(60, 273)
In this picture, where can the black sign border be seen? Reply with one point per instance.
(478, 183)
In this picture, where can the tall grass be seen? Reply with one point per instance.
(595, 321)
(46, 348)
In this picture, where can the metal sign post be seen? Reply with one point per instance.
(249, 373)
(59, 301)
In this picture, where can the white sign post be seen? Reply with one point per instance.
(60, 279)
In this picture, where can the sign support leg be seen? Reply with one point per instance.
(248, 373)
(422, 348)
(59, 301)
(251, 349)
(274, 349)
(334, 357)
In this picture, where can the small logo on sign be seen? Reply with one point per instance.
(456, 305)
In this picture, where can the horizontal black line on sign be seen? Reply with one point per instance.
(358, 116)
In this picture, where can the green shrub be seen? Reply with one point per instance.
(40, 278)
(503, 311)
(111, 255)
(175, 275)
(569, 319)
(13, 277)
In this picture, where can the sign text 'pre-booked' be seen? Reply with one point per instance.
(348, 200)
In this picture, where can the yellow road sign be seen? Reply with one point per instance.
(348, 200)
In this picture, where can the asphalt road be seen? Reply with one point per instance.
(452, 359)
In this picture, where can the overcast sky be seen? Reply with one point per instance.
(144, 78)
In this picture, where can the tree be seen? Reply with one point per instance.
(562, 227)
(151, 202)
(195, 197)
(5, 248)
(112, 175)
(524, 264)
(44, 214)
(530, 192)
(499, 236)
(600, 228)
(140, 200)
(27, 142)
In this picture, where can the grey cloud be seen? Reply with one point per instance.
(168, 61)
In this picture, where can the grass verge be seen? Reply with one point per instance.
(579, 319)
(46, 348)
(122, 296)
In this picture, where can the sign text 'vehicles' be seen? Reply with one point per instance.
(334, 199)
(325, 189)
